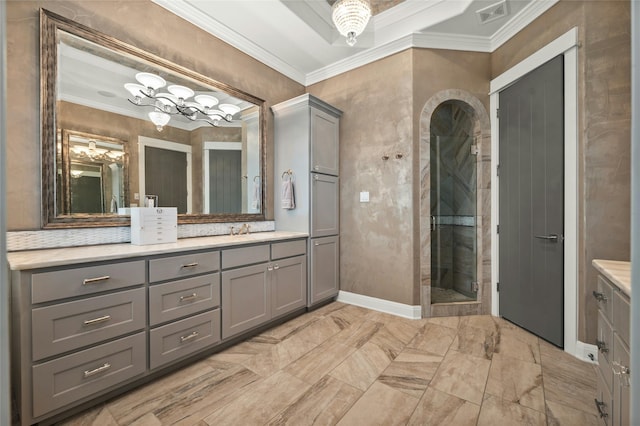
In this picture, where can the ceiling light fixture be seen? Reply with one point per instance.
(176, 102)
(351, 17)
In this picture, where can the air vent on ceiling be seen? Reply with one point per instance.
(493, 12)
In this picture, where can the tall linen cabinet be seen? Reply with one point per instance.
(307, 151)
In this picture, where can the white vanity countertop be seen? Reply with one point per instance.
(618, 272)
(21, 260)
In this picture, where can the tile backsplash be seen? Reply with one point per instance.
(59, 238)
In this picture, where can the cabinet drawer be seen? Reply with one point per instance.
(232, 258)
(621, 316)
(605, 348)
(181, 338)
(54, 285)
(168, 268)
(73, 377)
(288, 249)
(67, 326)
(605, 297)
(603, 401)
(178, 299)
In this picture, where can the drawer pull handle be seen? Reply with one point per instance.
(97, 320)
(602, 346)
(103, 368)
(600, 297)
(188, 298)
(190, 265)
(600, 405)
(276, 267)
(316, 244)
(269, 268)
(95, 280)
(189, 337)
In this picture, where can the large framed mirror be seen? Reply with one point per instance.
(123, 128)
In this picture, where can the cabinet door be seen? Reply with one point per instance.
(288, 285)
(246, 301)
(621, 394)
(325, 218)
(324, 143)
(325, 267)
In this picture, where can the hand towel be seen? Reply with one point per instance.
(255, 202)
(288, 197)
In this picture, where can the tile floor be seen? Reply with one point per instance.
(346, 365)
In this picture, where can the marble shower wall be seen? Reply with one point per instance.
(187, 45)
(604, 126)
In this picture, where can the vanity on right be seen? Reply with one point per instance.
(613, 296)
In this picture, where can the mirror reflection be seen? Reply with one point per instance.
(93, 175)
(139, 131)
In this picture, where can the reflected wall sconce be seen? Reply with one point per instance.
(176, 101)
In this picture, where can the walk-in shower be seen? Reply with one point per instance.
(453, 196)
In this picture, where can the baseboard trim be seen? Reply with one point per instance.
(381, 305)
(586, 352)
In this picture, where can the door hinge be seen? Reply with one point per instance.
(475, 286)
(498, 170)
(498, 285)
(497, 112)
(497, 229)
(474, 149)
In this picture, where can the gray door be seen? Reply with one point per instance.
(531, 224)
(225, 181)
(166, 176)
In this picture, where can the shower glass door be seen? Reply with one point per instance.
(453, 220)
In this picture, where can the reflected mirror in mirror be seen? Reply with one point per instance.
(93, 176)
(186, 141)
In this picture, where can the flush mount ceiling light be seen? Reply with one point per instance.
(351, 17)
(176, 102)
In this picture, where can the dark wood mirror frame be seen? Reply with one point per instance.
(50, 24)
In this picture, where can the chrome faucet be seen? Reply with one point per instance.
(245, 228)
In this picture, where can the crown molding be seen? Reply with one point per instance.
(359, 59)
(452, 42)
(199, 19)
(523, 18)
(416, 40)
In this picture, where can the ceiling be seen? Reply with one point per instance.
(298, 38)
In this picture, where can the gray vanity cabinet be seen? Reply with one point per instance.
(257, 293)
(612, 401)
(324, 205)
(307, 151)
(184, 306)
(77, 331)
(82, 331)
(324, 267)
(246, 299)
(288, 285)
(324, 142)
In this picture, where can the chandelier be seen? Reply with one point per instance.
(351, 17)
(92, 152)
(176, 102)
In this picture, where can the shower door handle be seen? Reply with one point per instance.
(433, 223)
(551, 237)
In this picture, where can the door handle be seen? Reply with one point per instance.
(550, 237)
